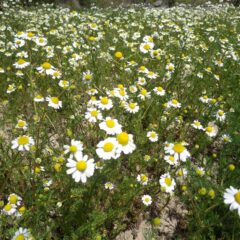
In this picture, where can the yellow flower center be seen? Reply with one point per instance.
(20, 237)
(143, 91)
(21, 123)
(41, 40)
(174, 101)
(108, 147)
(147, 200)
(153, 134)
(237, 197)
(171, 158)
(168, 181)
(30, 34)
(178, 148)
(132, 105)
(8, 207)
(13, 199)
(118, 55)
(23, 140)
(123, 138)
(104, 100)
(144, 178)
(220, 113)
(46, 66)
(209, 129)
(56, 74)
(55, 100)
(88, 77)
(160, 89)
(94, 113)
(110, 123)
(73, 149)
(197, 124)
(170, 67)
(81, 166)
(146, 46)
(21, 61)
(122, 92)
(142, 68)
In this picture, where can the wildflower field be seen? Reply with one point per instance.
(109, 115)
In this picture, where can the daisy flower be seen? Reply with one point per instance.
(146, 47)
(232, 198)
(170, 67)
(151, 75)
(141, 81)
(106, 149)
(105, 103)
(21, 63)
(81, 168)
(63, 83)
(167, 183)
(178, 150)
(152, 136)
(54, 102)
(147, 200)
(159, 91)
(87, 76)
(111, 126)
(226, 138)
(109, 186)
(46, 68)
(173, 103)
(22, 125)
(22, 143)
(220, 115)
(14, 199)
(39, 98)
(74, 148)
(9, 209)
(121, 93)
(21, 234)
(56, 74)
(125, 143)
(41, 41)
(197, 125)
(93, 114)
(144, 94)
(211, 130)
(131, 107)
(142, 179)
(171, 160)
(19, 42)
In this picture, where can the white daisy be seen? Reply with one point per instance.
(22, 143)
(131, 107)
(167, 182)
(74, 148)
(125, 143)
(22, 125)
(232, 198)
(197, 125)
(108, 185)
(105, 103)
(14, 199)
(54, 102)
(173, 103)
(147, 200)
(159, 91)
(21, 63)
(81, 168)
(211, 130)
(171, 160)
(21, 234)
(111, 126)
(9, 209)
(46, 68)
(178, 150)
(220, 115)
(142, 179)
(106, 149)
(93, 114)
(39, 98)
(152, 136)
(146, 47)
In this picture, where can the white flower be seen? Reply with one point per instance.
(151, 75)
(171, 160)
(178, 150)
(105, 103)
(111, 126)
(167, 183)
(21, 63)
(143, 179)
(170, 67)
(197, 125)
(54, 102)
(144, 94)
(22, 125)
(125, 143)
(232, 198)
(46, 68)
(131, 107)
(141, 81)
(63, 83)
(147, 200)
(173, 103)
(9, 209)
(74, 148)
(121, 93)
(41, 41)
(19, 42)
(22, 143)
(159, 91)
(21, 234)
(211, 130)
(87, 76)
(226, 138)
(39, 98)
(220, 115)
(93, 114)
(14, 199)
(152, 136)
(146, 47)
(82, 168)
(106, 149)
(108, 185)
